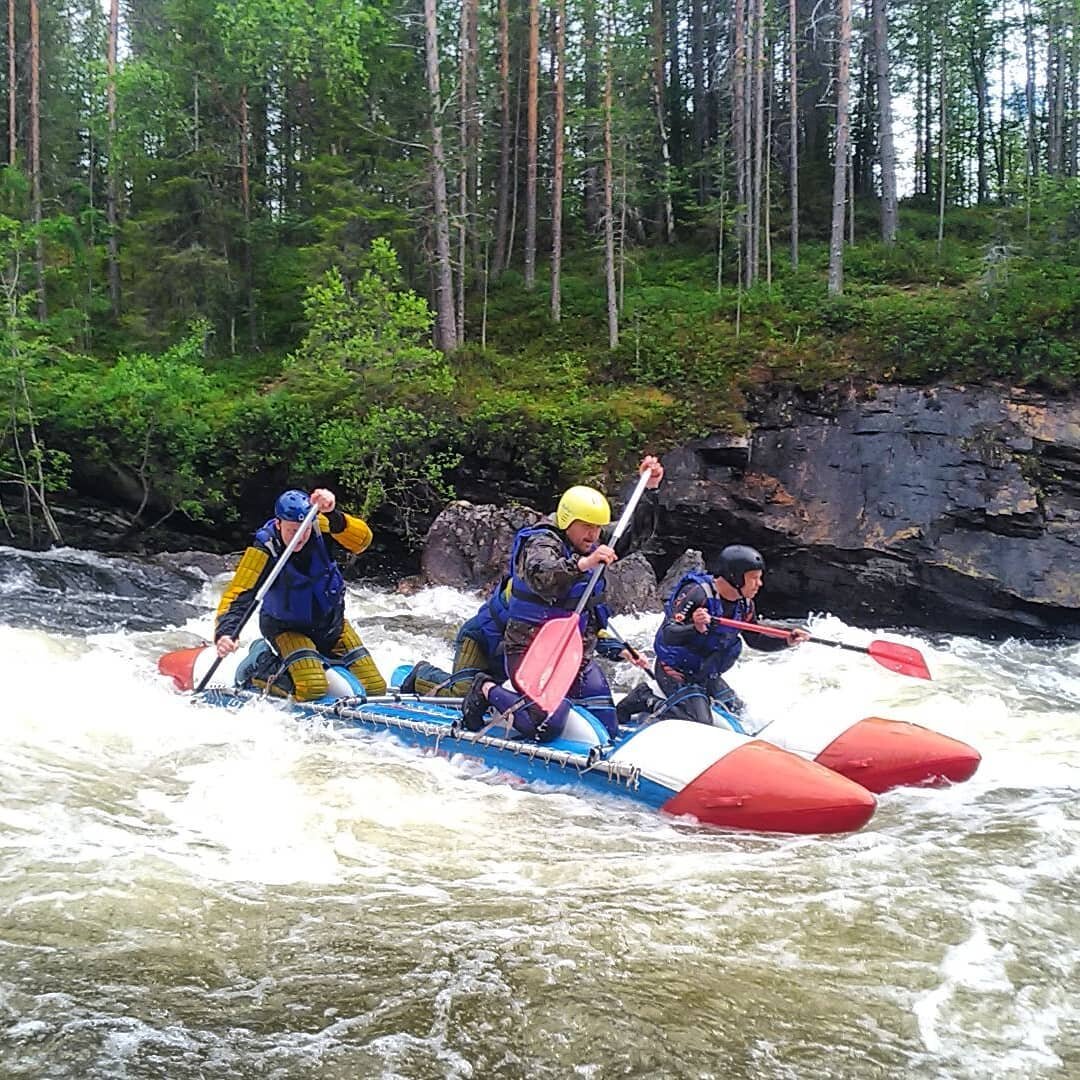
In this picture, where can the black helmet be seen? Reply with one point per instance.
(734, 562)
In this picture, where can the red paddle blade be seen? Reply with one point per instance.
(551, 662)
(900, 658)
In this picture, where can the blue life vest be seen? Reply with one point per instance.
(486, 627)
(308, 597)
(530, 607)
(721, 645)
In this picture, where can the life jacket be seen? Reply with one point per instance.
(302, 597)
(529, 606)
(722, 644)
(489, 623)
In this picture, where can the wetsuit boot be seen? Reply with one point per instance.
(640, 700)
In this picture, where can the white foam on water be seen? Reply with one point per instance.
(302, 853)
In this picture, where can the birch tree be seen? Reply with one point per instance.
(445, 322)
(843, 131)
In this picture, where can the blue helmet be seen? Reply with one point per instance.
(292, 506)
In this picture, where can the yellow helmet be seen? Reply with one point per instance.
(581, 503)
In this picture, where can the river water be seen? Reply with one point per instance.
(187, 892)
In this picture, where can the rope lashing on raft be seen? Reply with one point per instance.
(354, 709)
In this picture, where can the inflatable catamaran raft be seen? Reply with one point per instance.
(717, 775)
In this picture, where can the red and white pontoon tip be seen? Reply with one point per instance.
(761, 787)
(180, 666)
(881, 754)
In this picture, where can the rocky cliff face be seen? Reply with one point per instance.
(951, 509)
(948, 508)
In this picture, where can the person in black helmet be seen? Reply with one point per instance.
(693, 651)
(302, 616)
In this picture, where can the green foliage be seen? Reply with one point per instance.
(366, 369)
(156, 419)
(392, 458)
(29, 465)
(370, 341)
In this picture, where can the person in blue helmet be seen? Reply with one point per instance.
(693, 650)
(550, 566)
(303, 614)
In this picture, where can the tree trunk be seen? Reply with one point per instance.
(464, 105)
(609, 197)
(592, 94)
(112, 215)
(35, 157)
(1029, 94)
(816, 77)
(667, 226)
(759, 131)
(713, 22)
(503, 196)
(245, 198)
(1074, 113)
(942, 147)
(445, 328)
(515, 185)
(886, 148)
(13, 143)
(1002, 153)
(917, 162)
(843, 120)
(738, 124)
(557, 174)
(675, 83)
(1059, 95)
(697, 71)
(793, 120)
(1051, 86)
(767, 208)
(982, 110)
(623, 214)
(531, 135)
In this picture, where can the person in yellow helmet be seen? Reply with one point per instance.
(550, 564)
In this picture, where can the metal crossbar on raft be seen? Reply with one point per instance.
(353, 709)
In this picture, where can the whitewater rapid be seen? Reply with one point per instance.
(197, 892)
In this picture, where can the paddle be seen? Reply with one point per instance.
(553, 658)
(263, 590)
(902, 659)
(631, 650)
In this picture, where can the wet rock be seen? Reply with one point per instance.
(69, 591)
(468, 546)
(207, 564)
(956, 509)
(409, 586)
(631, 585)
(688, 561)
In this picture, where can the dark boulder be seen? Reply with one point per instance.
(68, 591)
(631, 585)
(688, 561)
(468, 546)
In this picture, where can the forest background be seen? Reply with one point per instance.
(417, 247)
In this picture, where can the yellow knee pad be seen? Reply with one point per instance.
(351, 651)
(471, 655)
(303, 664)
